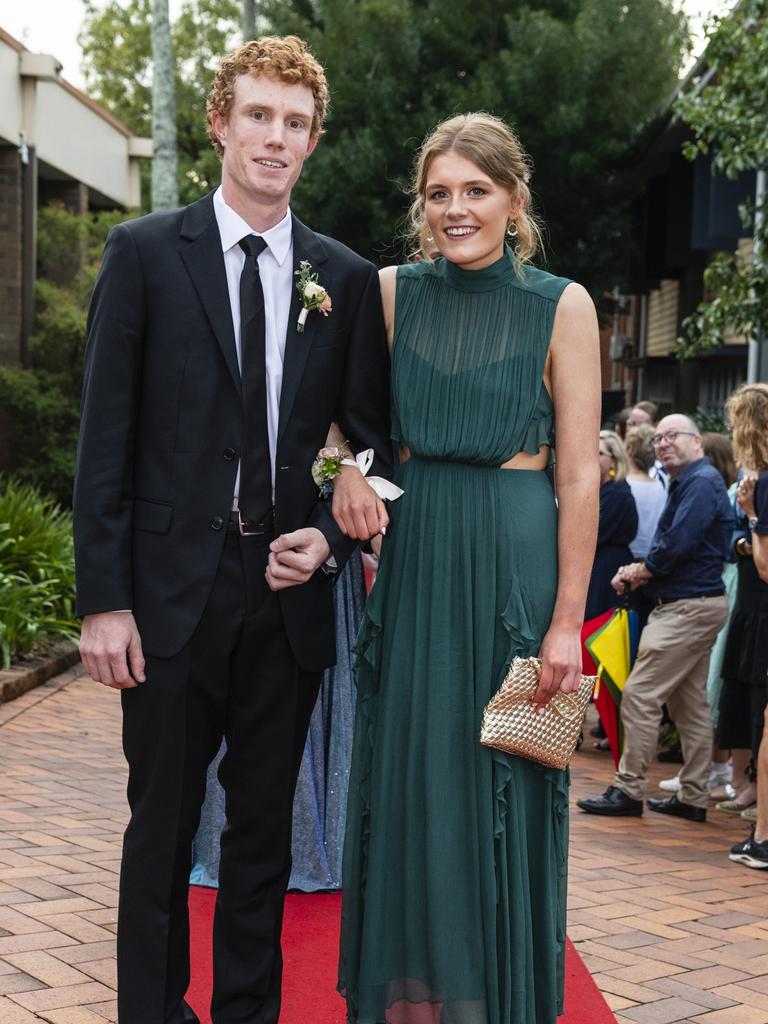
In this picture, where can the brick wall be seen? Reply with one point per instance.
(10, 254)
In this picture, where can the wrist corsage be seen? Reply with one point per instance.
(313, 295)
(325, 468)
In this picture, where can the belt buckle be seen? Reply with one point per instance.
(243, 525)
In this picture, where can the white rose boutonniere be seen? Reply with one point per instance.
(313, 295)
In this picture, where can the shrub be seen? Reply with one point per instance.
(42, 427)
(40, 404)
(37, 572)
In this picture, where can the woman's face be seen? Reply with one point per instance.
(606, 461)
(467, 211)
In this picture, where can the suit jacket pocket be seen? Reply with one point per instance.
(152, 516)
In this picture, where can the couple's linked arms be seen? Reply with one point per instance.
(359, 513)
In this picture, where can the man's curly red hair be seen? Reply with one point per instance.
(284, 58)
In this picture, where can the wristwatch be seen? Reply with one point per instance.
(752, 522)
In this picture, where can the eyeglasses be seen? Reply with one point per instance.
(671, 436)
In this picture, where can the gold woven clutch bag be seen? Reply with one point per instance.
(512, 724)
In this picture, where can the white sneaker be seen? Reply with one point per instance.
(670, 785)
(721, 774)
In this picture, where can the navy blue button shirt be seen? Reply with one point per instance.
(693, 538)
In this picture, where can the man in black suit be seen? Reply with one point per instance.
(204, 555)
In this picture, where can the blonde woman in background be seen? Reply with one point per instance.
(745, 665)
(617, 527)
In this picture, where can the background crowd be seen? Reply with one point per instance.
(683, 540)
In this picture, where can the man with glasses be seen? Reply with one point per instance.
(682, 574)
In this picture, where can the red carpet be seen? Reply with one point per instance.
(310, 945)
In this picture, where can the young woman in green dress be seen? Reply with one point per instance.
(455, 861)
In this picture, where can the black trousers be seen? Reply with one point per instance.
(238, 679)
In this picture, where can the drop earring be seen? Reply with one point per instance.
(512, 231)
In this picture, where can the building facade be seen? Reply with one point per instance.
(682, 213)
(55, 144)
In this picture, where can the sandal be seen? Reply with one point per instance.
(733, 806)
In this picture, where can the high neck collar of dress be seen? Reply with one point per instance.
(485, 280)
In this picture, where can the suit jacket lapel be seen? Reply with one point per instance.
(204, 260)
(306, 246)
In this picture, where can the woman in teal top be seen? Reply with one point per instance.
(455, 859)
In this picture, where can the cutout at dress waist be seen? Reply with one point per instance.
(529, 460)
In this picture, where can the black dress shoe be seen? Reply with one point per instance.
(671, 805)
(614, 802)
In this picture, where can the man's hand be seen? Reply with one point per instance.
(635, 575)
(110, 647)
(357, 508)
(560, 664)
(295, 557)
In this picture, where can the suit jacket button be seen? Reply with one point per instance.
(229, 454)
(216, 523)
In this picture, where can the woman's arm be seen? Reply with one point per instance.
(759, 539)
(350, 490)
(388, 282)
(575, 380)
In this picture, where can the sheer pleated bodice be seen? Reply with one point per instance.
(468, 385)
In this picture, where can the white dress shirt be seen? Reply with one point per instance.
(276, 272)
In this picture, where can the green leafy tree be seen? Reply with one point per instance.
(116, 43)
(727, 114)
(577, 78)
(40, 404)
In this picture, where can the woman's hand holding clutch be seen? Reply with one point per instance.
(560, 664)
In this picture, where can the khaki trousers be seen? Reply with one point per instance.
(671, 668)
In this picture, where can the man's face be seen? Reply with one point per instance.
(266, 140)
(638, 417)
(677, 444)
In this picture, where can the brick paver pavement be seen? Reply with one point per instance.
(671, 930)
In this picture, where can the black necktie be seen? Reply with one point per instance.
(255, 497)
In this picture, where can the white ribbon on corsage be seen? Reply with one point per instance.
(385, 489)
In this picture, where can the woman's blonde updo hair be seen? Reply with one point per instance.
(493, 147)
(639, 446)
(747, 411)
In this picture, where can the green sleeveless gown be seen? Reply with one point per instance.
(455, 859)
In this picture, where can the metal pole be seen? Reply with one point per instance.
(249, 20)
(757, 368)
(28, 158)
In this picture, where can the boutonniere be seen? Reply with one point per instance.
(313, 295)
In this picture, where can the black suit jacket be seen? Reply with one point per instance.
(162, 425)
